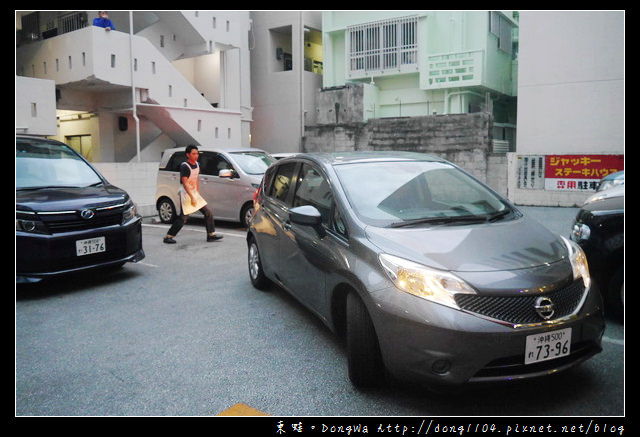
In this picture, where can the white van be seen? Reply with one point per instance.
(228, 193)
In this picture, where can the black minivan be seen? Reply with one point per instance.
(68, 217)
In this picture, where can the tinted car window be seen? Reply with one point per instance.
(212, 163)
(282, 181)
(39, 164)
(175, 161)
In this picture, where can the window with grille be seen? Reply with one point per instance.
(384, 46)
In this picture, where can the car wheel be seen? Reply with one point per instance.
(246, 213)
(256, 274)
(166, 211)
(363, 350)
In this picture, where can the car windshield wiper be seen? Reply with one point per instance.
(440, 220)
(453, 219)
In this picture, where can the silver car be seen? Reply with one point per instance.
(228, 181)
(429, 274)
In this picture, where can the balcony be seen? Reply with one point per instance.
(452, 70)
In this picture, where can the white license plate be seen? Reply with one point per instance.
(90, 246)
(547, 346)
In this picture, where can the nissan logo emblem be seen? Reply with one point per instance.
(87, 214)
(544, 307)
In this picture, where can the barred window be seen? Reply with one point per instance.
(387, 45)
(501, 27)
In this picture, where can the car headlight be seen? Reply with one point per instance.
(129, 213)
(578, 261)
(434, 285)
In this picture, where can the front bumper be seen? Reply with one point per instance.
(424, 341)
(40, 256)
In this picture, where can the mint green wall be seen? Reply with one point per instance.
(440, 32)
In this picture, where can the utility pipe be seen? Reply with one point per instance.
(133, 88)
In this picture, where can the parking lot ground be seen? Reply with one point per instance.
(183, 333)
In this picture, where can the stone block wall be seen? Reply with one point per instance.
(464, 139)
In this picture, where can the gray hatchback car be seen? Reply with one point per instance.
(429, 274)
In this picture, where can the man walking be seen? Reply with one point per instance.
(190, 198)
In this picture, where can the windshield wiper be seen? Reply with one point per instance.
(440, 220)
(487, 218)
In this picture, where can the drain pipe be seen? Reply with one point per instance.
(133, 89)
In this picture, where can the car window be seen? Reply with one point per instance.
(212, 163)
(282, 181)
(387, 193)
(175, 161)
(313, 189)
(254, 163)
(41, 164)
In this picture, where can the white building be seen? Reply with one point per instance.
(570, 101)
(161, 79)
(187, 71)
(286, 71)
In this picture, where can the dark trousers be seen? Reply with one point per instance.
(179, 222)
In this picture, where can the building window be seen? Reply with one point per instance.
(501, 28)
(384, 46)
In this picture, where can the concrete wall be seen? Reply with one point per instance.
(464, 139)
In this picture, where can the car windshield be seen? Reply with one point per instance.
(254, 163)
(44, 165)
(405, 193)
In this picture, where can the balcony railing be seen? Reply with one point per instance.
(454, 69)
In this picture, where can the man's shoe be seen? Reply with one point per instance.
(214, 238)
(169, 240)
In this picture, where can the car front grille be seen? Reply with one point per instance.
(520, 310)
(69, 221)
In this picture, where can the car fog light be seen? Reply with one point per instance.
(441, 366)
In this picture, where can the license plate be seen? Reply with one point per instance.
(547, 346)
(90, 246)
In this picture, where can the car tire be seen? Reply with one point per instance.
(363, 351)
(166, 210)
(256, 274)
(246, 213)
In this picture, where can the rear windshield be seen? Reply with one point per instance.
(41, 164)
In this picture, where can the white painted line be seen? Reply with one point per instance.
(230, 234)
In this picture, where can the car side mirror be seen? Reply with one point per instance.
(226, 173)
(308, 215)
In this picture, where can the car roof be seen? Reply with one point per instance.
(337, 158)
(216, 149)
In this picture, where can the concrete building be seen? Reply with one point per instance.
(286, 72)
(160, 79)
(570, 105)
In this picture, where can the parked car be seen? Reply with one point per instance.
(599, 230)
(68, 217)
(230, 195)
(428, 273)
(611, 180)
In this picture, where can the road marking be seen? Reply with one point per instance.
(196, 230)
(242, 410)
